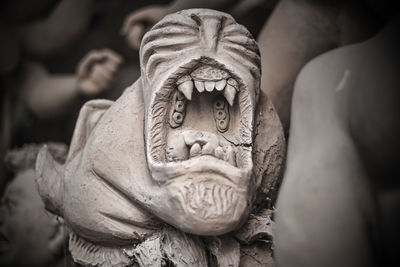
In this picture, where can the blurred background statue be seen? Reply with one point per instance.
(34, 92)
(30, 235)
(339, 203)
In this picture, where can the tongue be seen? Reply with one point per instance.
(186, 144)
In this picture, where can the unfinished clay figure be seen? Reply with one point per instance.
(300, 30)
(30, 235)
(48, 95)
(193, 144)
(340, 197)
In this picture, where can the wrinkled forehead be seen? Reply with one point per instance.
(180, 39)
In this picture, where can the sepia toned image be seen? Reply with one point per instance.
(199, 133)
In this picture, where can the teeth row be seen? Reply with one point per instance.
(223, 153)
(229, 86)
(178, 153)
(189, 144)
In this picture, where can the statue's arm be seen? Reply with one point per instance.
(324, 209)
(50, 95)
(67, 22)
(44, 94)
(297, 32)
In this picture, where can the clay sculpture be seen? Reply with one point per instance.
(189, 150)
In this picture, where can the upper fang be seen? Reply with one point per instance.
(230, 93)
(187, 89)
(183, 79)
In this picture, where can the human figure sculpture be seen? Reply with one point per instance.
(340, 196)
(30, 235)
(300, 30)
(189, 150)
(50, 95)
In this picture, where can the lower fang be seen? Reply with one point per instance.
(177, 149)
(195, 150)
(219, 153)
(208, 149)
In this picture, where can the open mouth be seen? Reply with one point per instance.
(204, 109)
(207, 96)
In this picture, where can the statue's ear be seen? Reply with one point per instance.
(49, 172)
(89, 115)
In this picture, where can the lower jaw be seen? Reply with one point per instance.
(206, 213)
(191, 205)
